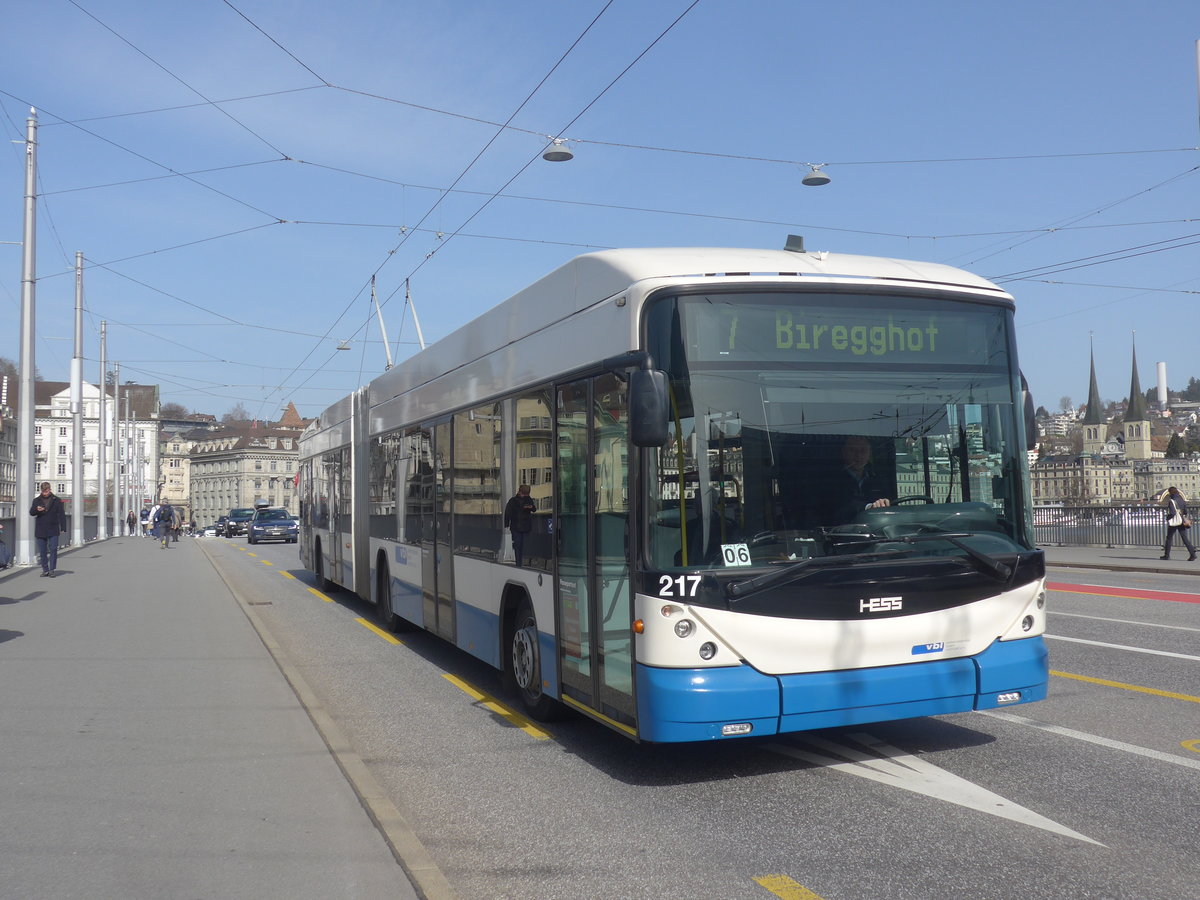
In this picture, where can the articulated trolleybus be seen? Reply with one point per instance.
(774, 491)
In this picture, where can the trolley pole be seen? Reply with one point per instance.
(23, 551)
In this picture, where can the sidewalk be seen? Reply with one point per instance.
(151, 747)
(1122, 559)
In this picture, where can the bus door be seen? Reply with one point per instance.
(333, 482)
(592, 589)
(437, 558)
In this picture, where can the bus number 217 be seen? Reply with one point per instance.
(683, 586)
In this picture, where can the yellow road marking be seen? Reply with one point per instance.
(316, 593)
(782, 886)
(391, 639)
(1128, 687)
(498, 708)
(248, 553)
(265, 562)
(1194, 746)
(288, 575)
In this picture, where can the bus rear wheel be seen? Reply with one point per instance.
(525, 665)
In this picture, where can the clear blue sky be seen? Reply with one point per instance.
(235, 172)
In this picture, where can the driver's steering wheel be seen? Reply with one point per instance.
(914, 498)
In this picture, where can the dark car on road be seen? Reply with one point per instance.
(271, 524)
(238, 521)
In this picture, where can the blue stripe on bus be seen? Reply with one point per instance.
(407, 600)
(694, 704)
(478, 632)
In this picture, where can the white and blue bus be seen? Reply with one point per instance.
(702, 563)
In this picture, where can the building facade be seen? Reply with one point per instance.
(242, 467)
(131, 441)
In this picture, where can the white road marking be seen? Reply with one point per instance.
(888, 765)
(1094, 739)
(1055, 612)
(1059, 637)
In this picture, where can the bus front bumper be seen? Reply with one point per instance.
(739, 701)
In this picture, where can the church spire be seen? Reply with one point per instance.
(1136, 411)
(1095, 432)
(1093, 414)
(1137, 422)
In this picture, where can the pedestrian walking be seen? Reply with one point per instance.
(131, 522)
(1178, 520)
(518, 519)
(162, 523)
(51, 522)
(176, 524)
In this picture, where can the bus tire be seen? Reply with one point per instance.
(525, 666)
(387, 619)
(319, 569)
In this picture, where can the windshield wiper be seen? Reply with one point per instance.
(739, 590)
(985, 564)
(989, 566)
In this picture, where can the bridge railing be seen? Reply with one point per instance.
(1091, 526)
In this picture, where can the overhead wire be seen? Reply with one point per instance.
(194, 90)
(461, 175)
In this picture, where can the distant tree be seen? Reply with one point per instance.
(236, 416)
(1176, 448)
(1192, 391)
(173, 411)
(10, 368)
(1064, 403)
(1041, 413)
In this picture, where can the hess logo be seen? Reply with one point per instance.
(881, 604)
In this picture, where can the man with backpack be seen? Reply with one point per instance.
(162, 523)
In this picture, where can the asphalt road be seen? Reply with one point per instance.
(1091, 793)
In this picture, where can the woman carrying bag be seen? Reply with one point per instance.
(1177, 520)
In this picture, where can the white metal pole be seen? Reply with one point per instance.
(130, 470)
(118, 456)
(101, 438)
(77, 412)
(23, 550)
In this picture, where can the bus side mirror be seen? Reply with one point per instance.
(649, 407)
(1031, 431)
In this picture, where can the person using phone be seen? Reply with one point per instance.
(51, 522)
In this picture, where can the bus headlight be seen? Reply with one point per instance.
(708, 650)
(1041, 600)
(684, 628)
(1027, 623)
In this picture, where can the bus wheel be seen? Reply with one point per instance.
(319, 569)
(387, 619)
(526, 667)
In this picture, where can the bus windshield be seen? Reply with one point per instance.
(810, 424)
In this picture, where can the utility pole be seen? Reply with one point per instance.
(23, 552)
(118, 456)
(101, 438)
(77, 411)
